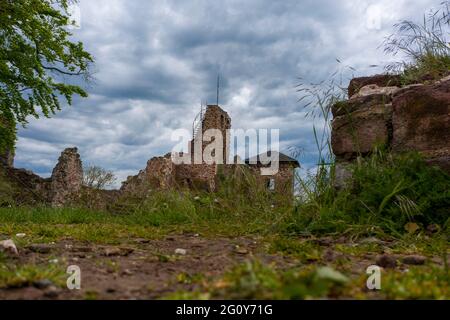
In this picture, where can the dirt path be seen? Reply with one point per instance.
(143, 269)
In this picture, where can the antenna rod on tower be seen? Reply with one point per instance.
(218, 88)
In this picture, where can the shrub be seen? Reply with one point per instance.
(98, 178)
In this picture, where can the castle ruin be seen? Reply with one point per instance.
(65, 186)
(163, 173)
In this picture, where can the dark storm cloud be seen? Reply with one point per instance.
(157, 60)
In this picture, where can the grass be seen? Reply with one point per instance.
(12, 276)
(255, 280)
(387, 194)
(425, 47)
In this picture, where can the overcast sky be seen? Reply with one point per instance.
(157, 60)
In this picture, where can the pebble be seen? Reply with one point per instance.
(181, 252)
(127, 272)
(240, 250)
(124, 252)
(387, 262)
(52, 292)
(142, 241)
(9, 246)
(42, 284)
(40, 248)
(414, 260)
(21, 235)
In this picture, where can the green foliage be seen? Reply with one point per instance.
(7, 132)
(425, 45)
(417, 284)
(36, 58)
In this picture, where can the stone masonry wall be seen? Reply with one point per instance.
(284, 179)
(59, 190)
(158, 174)
(382, 112)
(203, 176)
(67, 177)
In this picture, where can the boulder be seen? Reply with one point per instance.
(360, 102)
(359, 132)
(421, 122)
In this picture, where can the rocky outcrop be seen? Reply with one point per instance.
(67, 177)
(381, 112)
(421, 122)
(381, 80)
(359, 132)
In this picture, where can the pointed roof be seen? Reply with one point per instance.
(281, 156)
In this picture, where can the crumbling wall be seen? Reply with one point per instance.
(61, 189)
(283, 180)
(158, 174)
(67, 178)
(382, 112)
(196, 176)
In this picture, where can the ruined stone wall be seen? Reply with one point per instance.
(67, 178)
(284, 179)
(158, 174)
(59, 190)
(196, 176)
(381, 112)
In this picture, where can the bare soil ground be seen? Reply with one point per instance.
(143, 269)
(151, 269)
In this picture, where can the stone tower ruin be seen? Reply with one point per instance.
(213, 118)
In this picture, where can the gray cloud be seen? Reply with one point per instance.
(156, 60)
